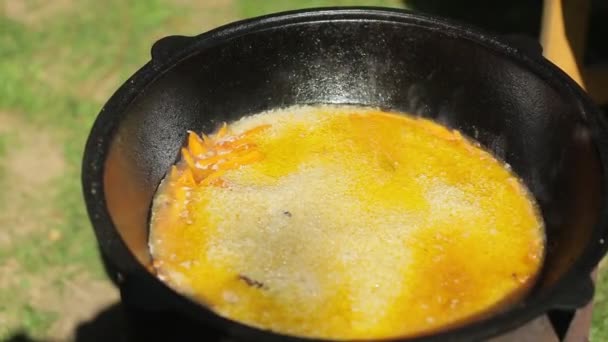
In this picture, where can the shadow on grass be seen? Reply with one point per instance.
(107, 325)
(522, 17)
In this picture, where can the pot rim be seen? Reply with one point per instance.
(162, 61)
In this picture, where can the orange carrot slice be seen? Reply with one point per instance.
(212, 178)
(208, 141)
(187, 178)
(195, 144)
(254, 130)
(188, 158)
(173, 174)
(222, 132)
(207, 158)
(248, 158)
(207, 162)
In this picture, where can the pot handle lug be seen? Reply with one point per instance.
(563, 310)
(579, 295)
(165, 47)
(525, 43)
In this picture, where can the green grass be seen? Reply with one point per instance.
(5, 141)
(36, 321)
(599, 330)
(50, 72)
(56, 72)
(249, 8)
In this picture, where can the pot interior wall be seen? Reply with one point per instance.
(408, 68)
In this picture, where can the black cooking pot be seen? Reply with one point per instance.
(504, 95)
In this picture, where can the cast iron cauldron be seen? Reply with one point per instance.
(509, 98)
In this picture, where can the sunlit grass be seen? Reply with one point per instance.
(599, 330)
(250, 8)
(51, 80)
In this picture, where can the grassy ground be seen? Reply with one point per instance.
(599, 330)
(59, 61)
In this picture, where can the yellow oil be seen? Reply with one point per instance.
(345, 223)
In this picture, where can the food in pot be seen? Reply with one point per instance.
(344, 222)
